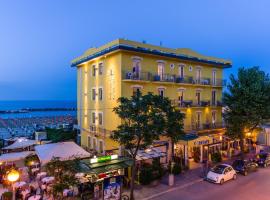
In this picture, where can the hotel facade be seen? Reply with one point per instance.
(120, 68)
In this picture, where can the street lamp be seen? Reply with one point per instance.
(13, 176)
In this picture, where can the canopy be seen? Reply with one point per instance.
(20, 143)
(61, 150)
(11, 157)
(150, 154)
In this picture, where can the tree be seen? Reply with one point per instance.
(142, 122)
(64, 173)
(247, 102)
(174, 124)
(60, 135)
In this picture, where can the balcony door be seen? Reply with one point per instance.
(136, 70)
(181, 71)
(214, 97)
(198, 75)
(198, 120)
(180, 98)
(198, 97)
(161, 70)
(214, 77)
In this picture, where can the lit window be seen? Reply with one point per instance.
(100, 118)
(93, 94)
(100, 68)
(100, 93)
(94, 70)
(93, 117)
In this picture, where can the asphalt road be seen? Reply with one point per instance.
(255, 186)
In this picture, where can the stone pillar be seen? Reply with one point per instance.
(186, 155)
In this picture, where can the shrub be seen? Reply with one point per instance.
(7, 196)
(146, 174)
(216, 157)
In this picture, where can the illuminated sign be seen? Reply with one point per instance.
(103, 159)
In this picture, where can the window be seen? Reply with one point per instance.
(100, 93)
(161, 70)
(181, 71)
(93, 70)
(100, 118)
(198, 97)
(136, 90)
(93, 94)
(161, 92)
(95, 143)
(93, 117)
(89, 142)
(214, 115)
(101, 149)
(136, 69)
(213, 97)
(100, 68)
(214, 77)
(198, 75)
(181, 97)
(198, 120)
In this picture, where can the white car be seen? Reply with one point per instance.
(221, 173)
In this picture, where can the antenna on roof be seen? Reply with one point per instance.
(160, 43)
(144, 41)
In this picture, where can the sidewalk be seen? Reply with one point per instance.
(183, 180)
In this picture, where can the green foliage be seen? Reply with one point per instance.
(64, 173)
(247, 102)
(176, 168)
(151, 172)
(60, 135)
(216, 157)
(145, 174)
(7, 195)
(29, 159)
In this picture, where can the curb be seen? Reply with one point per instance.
(173, 189)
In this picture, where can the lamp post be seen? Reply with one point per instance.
(13, 176)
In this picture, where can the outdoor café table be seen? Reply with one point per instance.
(35, 197)
(48, 179)
(19, 184)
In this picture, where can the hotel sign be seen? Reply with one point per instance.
(103, 159)
(201, 142)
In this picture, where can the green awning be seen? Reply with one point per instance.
(107, 168)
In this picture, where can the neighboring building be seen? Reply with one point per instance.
(192, 81)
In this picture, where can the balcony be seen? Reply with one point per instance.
(189, 103)
(102, 132)
(170, 78)
(205, 126)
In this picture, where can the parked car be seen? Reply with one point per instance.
(264, 159)
(221, 173)
(244, 166)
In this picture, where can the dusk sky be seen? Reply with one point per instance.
(38, 39)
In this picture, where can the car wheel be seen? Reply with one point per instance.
(234, 177)
(221, 182)
(245, 173)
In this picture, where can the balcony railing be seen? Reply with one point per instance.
(171, 78)
(100, 131)
(189, 103)
(205, 126)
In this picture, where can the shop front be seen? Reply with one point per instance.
(104, 177)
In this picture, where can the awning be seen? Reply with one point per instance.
(61, 150)
(20, 143)
(11, 157)
(98, 168)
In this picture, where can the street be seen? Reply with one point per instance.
(253, 186)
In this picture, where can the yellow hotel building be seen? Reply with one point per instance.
(192, 81)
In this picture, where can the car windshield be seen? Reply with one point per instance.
(218, 169)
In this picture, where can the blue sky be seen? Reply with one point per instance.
(39, 38)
